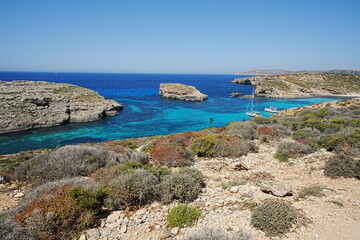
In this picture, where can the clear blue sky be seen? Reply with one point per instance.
(168, 36)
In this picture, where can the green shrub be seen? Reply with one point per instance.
(133, 189)
(131, 167)
(314, 190)
(303, 135)
(217, 234)
(342, 166)
(274, 218)
(282, 157)
(203, 146)
(244, 130)
(332, 142)
(65, 162)
(297, 149)
(263, 120)
(61, 213)
(221, 146)
(183, 186)
(182, 215)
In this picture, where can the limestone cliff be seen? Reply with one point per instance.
(303, 84)
(181, 92)
(34, 104)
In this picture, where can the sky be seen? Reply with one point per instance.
(184, 36)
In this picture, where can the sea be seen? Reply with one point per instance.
(145, 112)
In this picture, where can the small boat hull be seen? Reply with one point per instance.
(272, 109)
(253, 114)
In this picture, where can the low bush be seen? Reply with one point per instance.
(65, 162)
(244, 130)
(296, 149)
(61, 213)
(217, 234)
(263, 120)
(274, 218)
(171, 156)
(342, 166)
(282, 157)
(184, 139)
(184, 185)
(10, 230)
(182, 215)
(131, 167)
(132, 189)
(203, 146)
(315, 190)
(221, 146)
(265, 130)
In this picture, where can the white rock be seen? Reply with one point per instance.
(82, 237)
(123, 228)
(175, 230)
(141, 212)
(19, 195)
(234, 189)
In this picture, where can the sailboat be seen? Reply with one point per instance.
(252, 113)
(271, 109)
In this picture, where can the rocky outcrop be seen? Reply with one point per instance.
(34, 104)
(303, 85)
(181, 92)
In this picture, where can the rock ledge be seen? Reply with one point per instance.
(181, 92)
(34, 104)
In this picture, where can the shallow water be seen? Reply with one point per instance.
(145, 113)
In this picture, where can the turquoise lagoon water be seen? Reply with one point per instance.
(145, 113)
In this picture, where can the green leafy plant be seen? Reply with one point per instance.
(315, 190)
(342, 166)
(182, 215)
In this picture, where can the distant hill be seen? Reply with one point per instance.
(282, 71)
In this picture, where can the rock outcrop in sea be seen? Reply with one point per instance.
(181, 92)
(303, 84)
(34, 104)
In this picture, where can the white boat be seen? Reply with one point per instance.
(272, 109)
(250, 106)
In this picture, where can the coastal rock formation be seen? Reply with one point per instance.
(181, 92)
(34, 104)
(303, 84)
(283, 71)
(235, 94)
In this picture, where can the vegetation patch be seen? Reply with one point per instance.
(342, 166)
(217, 234)
(315, 190)
(184, 185)
(182, 215)
(171, 156)
(274, 217)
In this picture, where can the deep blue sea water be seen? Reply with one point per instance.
(145, 113)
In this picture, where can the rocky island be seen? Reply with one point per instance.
(303, 84)
(34, 104)
(181, 92)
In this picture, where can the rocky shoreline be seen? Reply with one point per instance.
(304, 85)
(181, 92)
(35, 104)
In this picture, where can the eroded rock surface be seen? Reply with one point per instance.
(303, 84)
(181, 92)
(34, 104)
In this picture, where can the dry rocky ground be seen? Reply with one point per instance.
(230, 193)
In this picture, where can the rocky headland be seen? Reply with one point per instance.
(283, 71)
(303, 85)
(34, 104)
(181, 92)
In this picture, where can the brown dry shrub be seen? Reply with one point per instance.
(184, 139)
(171, 156)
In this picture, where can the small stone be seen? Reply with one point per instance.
(141, 212)
(157, 226)
(93, 233)
(175, 230)
(123, 228)
(234, 189)
(19, 195)
(82, 237)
